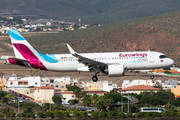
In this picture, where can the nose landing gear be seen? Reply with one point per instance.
(152, 76)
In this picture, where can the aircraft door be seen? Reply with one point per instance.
(151, 58)
(109, 59)
(105, 59)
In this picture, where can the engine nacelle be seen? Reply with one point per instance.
(114, 70)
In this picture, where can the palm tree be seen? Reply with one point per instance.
(94, 97)
(104, 103)
(86, 100)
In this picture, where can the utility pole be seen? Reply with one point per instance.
(49, 107)
(18, 103)
(49, 102)
(121, 102)
(128, 99)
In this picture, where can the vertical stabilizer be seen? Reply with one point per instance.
(22, 49)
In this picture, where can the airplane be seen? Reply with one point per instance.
(109, 63)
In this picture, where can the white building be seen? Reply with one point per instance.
(65, 96)
(127, 83)
(18, 82)
(108, 86)
(44, 94)
(101, 86)
(54, 81)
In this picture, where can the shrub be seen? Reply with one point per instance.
(167, 72)
(165, 113)
(83, 114)
(102, 114)
(154, 114)
(30, 115)
(120, 115)
(75, 113)
(41, 114)
(139, 115)
(58, 114)
(21, 115)
(94, 114)
(48, 114)
(172, 113)
(111, 114)
(129, 115)
(178, 113)
(6, 110)
(10, 114)
(65, 114)
(73, 101)
(147, 114)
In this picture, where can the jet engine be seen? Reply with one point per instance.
(113, 70)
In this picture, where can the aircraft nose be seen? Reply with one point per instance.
(171, 62)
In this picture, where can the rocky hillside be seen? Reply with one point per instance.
(91, 11)
(135, 38)
(156, 33)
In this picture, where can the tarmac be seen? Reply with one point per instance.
(82, 76)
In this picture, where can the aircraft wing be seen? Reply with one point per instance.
(86, 61)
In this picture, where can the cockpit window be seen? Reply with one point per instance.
(162, 56)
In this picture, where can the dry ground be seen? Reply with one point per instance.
(83, 76)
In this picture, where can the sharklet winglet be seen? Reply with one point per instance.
(70, 49)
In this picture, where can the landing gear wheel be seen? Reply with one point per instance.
(95, 78)
(152, 77)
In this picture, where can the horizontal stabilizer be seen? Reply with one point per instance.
(17, 59)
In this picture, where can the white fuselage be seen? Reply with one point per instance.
(131, 60)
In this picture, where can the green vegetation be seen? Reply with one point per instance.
(71, 102)
(9, 97)
(104, 106)
(167, 72)
(57, 100)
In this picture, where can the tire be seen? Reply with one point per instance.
(152, 77)
(95, 78)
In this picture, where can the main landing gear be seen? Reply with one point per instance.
(95, 78)
(152, 76)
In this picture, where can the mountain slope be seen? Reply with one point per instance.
(157, 33)
(92, 11)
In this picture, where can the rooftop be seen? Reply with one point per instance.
(140, 88)
(44, 87)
